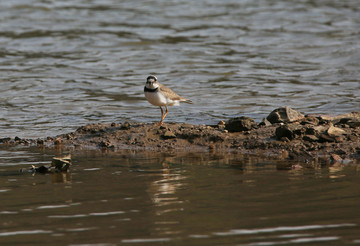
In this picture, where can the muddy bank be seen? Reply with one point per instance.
(283, 134)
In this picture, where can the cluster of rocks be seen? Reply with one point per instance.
(284, 133)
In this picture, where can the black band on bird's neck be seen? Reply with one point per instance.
(150, 90)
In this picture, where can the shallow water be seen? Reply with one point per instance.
(67, 63)
(130, 198)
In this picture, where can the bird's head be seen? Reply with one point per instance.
(152, 82)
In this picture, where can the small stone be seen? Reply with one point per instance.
(240, 124)
(310, 138)
(335, 131)
(168, 135)
(310, 120)
(106, 144)
(336, 158)
(221, 122)
(125, 126)
(289, 131)
(284, 114)
(315, 130)
(61, 163)
(4, 140)
(326, 138)
(351, 122)
(57, 141)
(353, 138)
(40, 142)
(265, 122)
(41, 169)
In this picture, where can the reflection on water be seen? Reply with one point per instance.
(67, 63)
(136, 198)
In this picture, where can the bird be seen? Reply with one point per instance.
(161, 96)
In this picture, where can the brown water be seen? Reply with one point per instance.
(67, 63)
(130, 198)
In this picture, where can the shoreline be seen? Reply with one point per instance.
(285, 134)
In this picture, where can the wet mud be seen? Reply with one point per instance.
(284, 134)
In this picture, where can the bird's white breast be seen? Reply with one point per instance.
(158, 99)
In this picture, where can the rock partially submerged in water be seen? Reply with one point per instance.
(58, 164)
(308, 138)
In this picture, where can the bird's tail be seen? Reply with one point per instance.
(185, 100)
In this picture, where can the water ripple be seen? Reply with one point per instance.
(281, 229)
(68, 64)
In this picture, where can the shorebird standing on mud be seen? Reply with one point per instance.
(162, 96)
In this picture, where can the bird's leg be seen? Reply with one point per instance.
(162, 114)
(165, 112)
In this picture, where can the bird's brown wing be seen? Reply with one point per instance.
(169, 93)
(172, 95)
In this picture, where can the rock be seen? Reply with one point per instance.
(335, 131)
(288, 131)
(168, 135)
(40, 141)
(240, 124)
(351, 122)
(352, 115)
(335, 158)
(4, 140)
(221, 122)
(326, 138)
(58, 141)
(265, 122)
(125, 126)
(310, 120)
(316, 130)
(61, 164)
(58, 164)
(221, 125)
(284, 115)
(353, 138)
(106, 144)
(310, 138)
